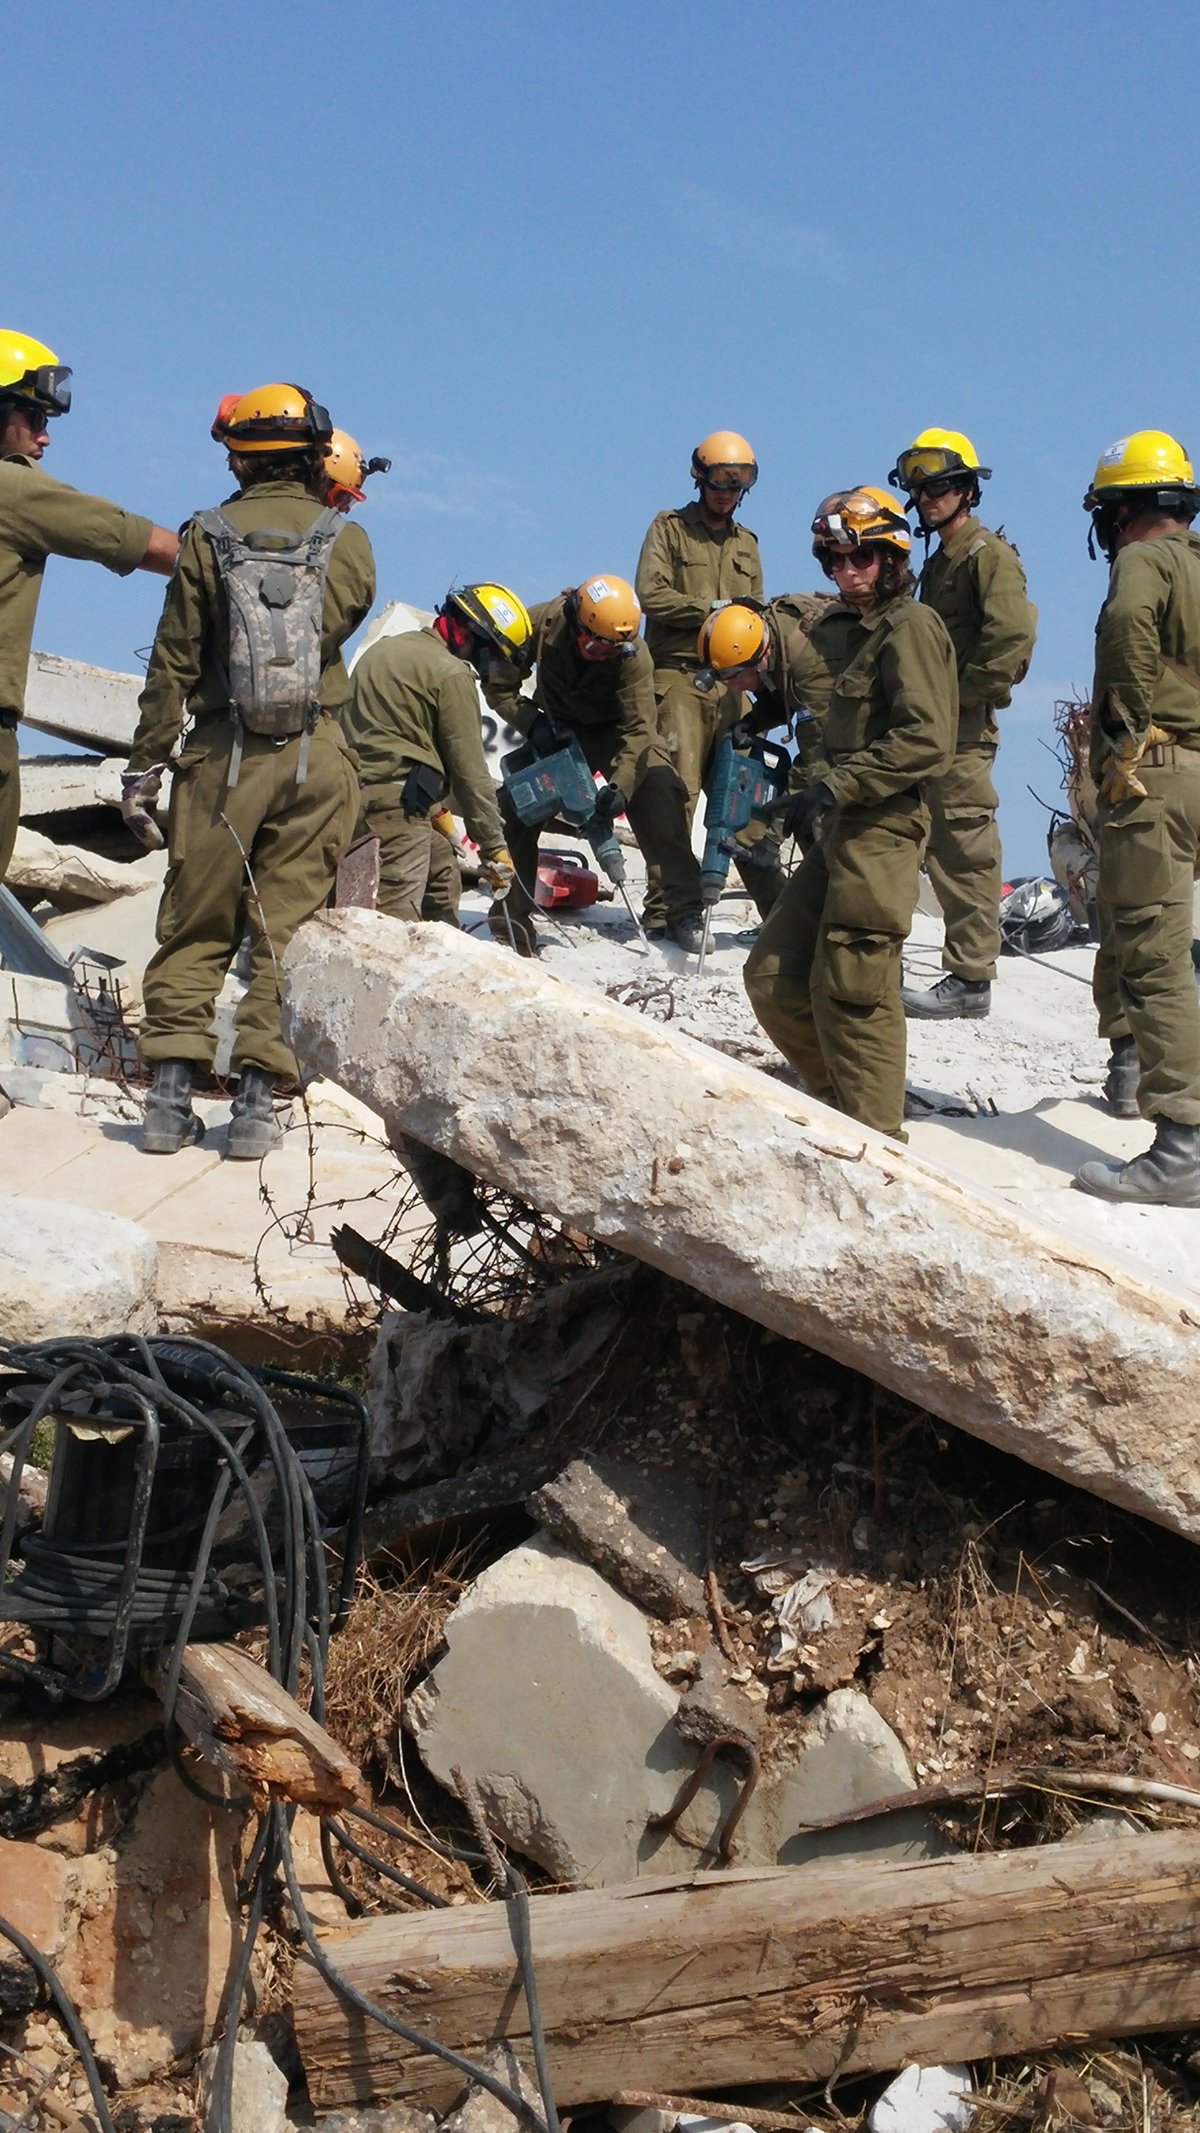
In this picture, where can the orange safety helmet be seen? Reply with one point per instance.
(724, 461)
(732, 636)
(607, 609)
(274, 418)
(851, 517)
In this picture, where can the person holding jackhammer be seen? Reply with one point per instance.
(40, 517)
(824, 975)
(264, 794)
(595, 682)
(693, 560)
(1145, 759)
(414, 725)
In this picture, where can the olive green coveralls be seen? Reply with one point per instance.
(824, 974)
(975, 582)
(609, 706)
(415, 703)
(1148, 673)
(258, 858)
(40, 517)
(684, 570)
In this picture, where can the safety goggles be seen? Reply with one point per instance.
(939, 484)
(921, 464)
(725, 478)
(602, 647)
(48, 388)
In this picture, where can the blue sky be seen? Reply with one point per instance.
(534, 252)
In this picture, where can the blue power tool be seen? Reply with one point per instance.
(559, 782)
(743, 784)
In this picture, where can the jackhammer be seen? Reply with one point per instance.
(556, 781)
(743, 786)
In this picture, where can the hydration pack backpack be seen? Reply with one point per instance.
(275, 585)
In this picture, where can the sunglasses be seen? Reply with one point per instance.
(851, 558)
(602, 647)
(939, 485)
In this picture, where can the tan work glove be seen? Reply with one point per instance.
(1118, 778)
(499, 872)
(441, 819)
(139, 791)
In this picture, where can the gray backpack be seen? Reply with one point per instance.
(275, 585)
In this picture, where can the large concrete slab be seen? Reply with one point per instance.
(74, 701)
(73, 1271)
(1038, 1338)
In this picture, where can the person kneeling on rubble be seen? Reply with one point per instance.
(414, 724)
(595, 682)
(824, 975)
(264, 795)
(1145, 760)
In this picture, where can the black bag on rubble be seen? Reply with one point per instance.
(1035, 918)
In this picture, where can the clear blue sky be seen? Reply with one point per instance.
(533, 252)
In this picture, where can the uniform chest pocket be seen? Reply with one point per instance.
(850, 711)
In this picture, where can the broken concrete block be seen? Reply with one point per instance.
(548, 1699)
(1029, 1335)
(35, 1888)
(78, 702)
(65, 872)
(480, 2111)
(388, 2118)
(642, 1530)
(70, 1270)
(68, 784)
(715, 1708)
(846, 1756)
(258, 2103)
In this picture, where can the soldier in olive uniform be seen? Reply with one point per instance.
(40, 517)
(975, 582)
(824, 975)
(596, 682)
(692, 561)
(257, 823)
(414, 725)
(1145, 759)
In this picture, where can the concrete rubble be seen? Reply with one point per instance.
(92, 1275)
(1019, 1332)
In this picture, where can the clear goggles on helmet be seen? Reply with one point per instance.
(925, 465)
(737, 475)
(845, 520)
(48, 388)
(591, 647)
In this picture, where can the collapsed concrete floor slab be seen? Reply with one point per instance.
(1013, 1328)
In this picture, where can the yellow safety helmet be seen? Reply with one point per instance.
(732, 636)
(31, 371)
(275, 418)
(607, 609)
(1146, 459)
(723, 460)
(344, 470)
(493, 613)
(853, 517)
(935, 454)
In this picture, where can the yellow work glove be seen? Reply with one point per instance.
(499, 873)
(1118, 778)
(440, 818)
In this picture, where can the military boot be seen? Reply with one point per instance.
(253, 1127)
(169, 1122)
(1122, 1078)
(687, 933)
(1167, 1175)
(950, 998)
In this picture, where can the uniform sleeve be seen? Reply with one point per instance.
(918, 670)
(1129, 641)
(502, 688)
(637, 717)
(755, 587)
(44, 517)
(655, 581)
(1006, 637)
(459, 742)
(176, 659)
(810, 677)
(349, 590)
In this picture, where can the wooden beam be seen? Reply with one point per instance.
(723, 1980)
(238, 1718)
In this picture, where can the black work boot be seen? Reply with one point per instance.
(687, 933)
(169, 1122)
(1167, 1175)
(1122, 1078)
(950, 997)
(253, 1128)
